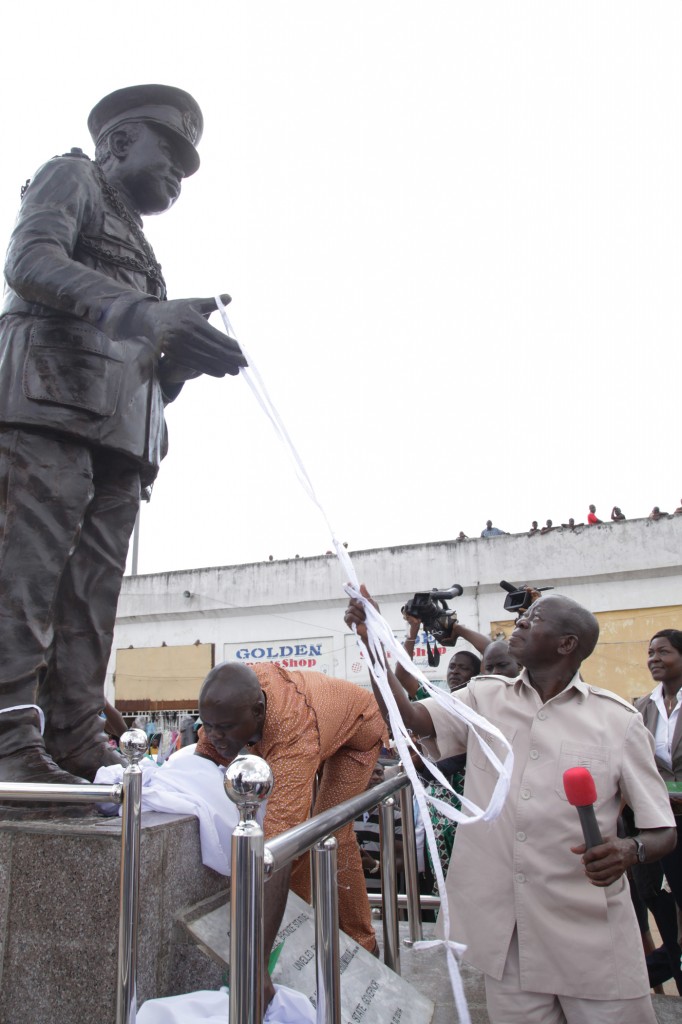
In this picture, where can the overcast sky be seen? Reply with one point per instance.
(452, 236)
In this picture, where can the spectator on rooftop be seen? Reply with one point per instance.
(533, 528)
(462, 535)
(616, 515)
(678, 511)
(592, 516)
(657, 514)
(492, 531)
(571, 524)
(547, 527)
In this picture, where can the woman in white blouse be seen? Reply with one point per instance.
(662, 712)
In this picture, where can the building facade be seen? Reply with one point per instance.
(172, 626)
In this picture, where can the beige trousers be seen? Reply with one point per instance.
(508, 1004)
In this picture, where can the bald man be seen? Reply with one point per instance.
(300, 723)
(551, 926)
(497, 661)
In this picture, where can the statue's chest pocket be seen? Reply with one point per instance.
(74, 365)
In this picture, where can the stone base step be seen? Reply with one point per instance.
(59, 891)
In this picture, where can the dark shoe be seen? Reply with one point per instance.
(659, 967)
(23, 758)
(35, 765)
(82, 748)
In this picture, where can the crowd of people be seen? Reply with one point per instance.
(559, 929)
(591, 519)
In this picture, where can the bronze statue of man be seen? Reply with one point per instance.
(90, 352)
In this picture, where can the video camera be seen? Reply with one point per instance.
(431, 608)
(519, 598)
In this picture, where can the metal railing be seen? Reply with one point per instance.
(133, 745)
(248, 781)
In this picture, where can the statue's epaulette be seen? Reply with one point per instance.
(74, 151)
(610, 695)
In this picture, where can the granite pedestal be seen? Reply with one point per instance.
(59, 893)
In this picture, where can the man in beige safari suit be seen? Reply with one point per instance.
(551, 925)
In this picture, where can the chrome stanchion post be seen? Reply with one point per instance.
(133, 746)
(327, 932)
(313, 859)
(414, 910)
(248, 781)
(389, 886)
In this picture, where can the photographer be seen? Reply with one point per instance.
(462, 666)
(458, 673)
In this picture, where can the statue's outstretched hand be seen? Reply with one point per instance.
(178, 328)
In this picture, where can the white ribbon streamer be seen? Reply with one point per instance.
(380, 642)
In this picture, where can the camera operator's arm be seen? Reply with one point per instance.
(415, 716)
(477, 640)
(406, 680)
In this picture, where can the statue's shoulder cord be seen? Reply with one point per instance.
(146, 263)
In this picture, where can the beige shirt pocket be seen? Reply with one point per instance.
(597, 760)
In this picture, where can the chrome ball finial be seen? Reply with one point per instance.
(248, 781)
(133, 745)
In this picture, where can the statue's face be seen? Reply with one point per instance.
(151, 171)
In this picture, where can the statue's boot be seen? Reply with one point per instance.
(82, 748)
(23, 757)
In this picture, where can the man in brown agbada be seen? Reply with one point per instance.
(300, 723)
(90, 352)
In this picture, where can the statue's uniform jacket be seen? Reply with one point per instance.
(81, 428)
(68, 364)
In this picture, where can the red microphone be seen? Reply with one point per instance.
(581, 792)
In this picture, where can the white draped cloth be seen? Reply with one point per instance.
(287, 1007)
(188, 784)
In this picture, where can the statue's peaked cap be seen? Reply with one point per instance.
(163, 106)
